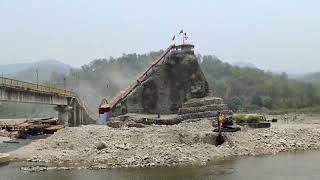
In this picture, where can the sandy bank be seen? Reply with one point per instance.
(187, 143)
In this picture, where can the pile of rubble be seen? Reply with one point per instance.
(99, 147)
(21, 128)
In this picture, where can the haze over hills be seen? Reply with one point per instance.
(311, 77)
(298, 74)
(14, 68)
(243, 86)
(27, 71)
(242, 64)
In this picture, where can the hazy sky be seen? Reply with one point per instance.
(272, 34)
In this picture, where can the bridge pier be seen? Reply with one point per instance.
(63, 114)
(71, 115)
(74, 123)
(78, 115)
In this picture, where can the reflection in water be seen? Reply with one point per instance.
(285, 166)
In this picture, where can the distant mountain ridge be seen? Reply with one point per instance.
(14, 68)
(27, 71)
(312, 77)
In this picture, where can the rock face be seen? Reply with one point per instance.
(174, 82)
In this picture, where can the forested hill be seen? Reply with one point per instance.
(252, 88)
(242, 88)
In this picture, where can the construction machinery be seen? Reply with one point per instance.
(223, 123)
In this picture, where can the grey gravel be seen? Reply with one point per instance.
(100, 147)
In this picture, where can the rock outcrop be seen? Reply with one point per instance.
(174, 82)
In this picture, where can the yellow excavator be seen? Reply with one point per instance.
(224, 124)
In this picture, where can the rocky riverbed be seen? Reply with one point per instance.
(98, 147)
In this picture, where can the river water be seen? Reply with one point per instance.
(283, 166)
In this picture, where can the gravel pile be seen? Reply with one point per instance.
(99, 147)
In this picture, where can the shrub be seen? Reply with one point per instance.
(252, 119)
(241, 118)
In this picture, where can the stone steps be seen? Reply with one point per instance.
(139, 121)
(211, 107)
(199, 119)
(203, 108)
(205, 114)
(202, 102)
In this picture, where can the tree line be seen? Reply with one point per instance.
(243, 89)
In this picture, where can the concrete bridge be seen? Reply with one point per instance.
(71, 110)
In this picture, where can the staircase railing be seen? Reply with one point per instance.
(91, 114)
(127, 90)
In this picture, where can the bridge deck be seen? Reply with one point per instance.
(16, 84)
(68, 103)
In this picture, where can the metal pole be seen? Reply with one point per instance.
(64, 83)
(37, 72)
(2, 78)
(183, 37)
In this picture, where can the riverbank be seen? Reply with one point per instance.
(284, 166)
(98, 147)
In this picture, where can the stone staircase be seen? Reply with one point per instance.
(207, 107)
(193, 110)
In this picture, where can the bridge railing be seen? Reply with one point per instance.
(12, 83)
(91, 114)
